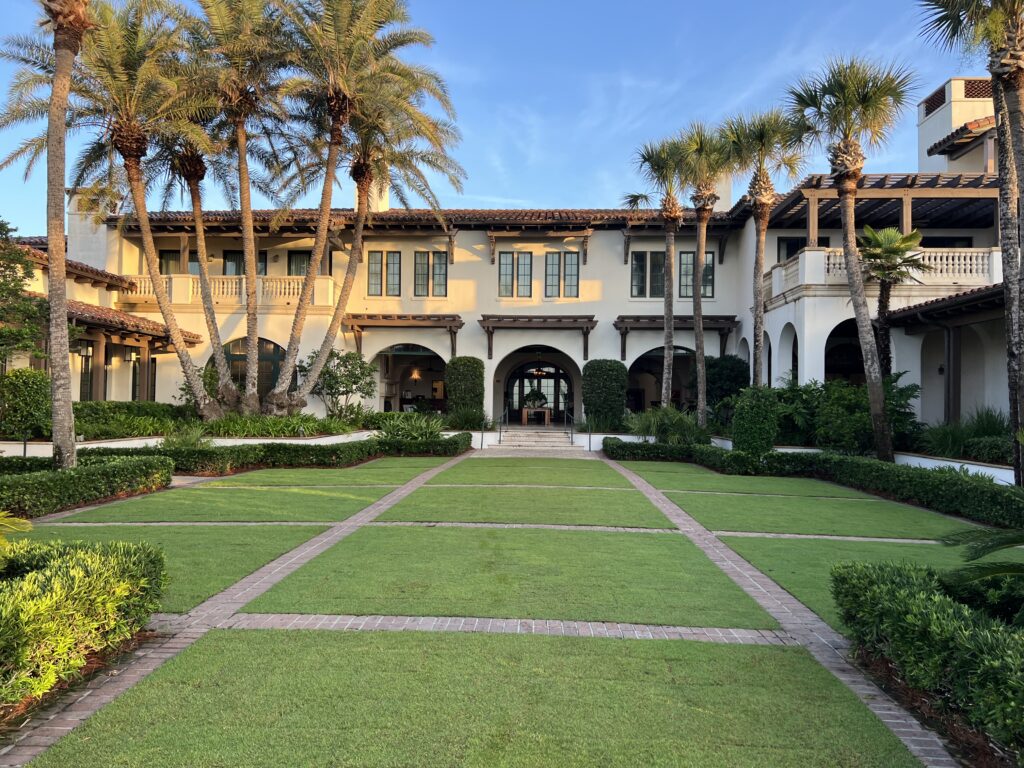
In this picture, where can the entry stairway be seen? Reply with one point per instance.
(537, 439)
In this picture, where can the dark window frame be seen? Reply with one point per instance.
(439, 274)
(707, 288)
(421, 274)
(572, 292)
(506, 274)
(553, 275)
(393, 258)
(638, 269)
(375, 273)
(524, 278)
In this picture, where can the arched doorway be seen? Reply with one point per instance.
(270, 355)
(843, 359)
(549, 375)
(411, 379)
(789, 357)
(644, 388)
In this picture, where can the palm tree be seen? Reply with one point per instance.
(393, 146)
(659, 166)
(346, 52)
(850, 103)
(70, 20)
(890, 257)
(706, 160)
(980, 542)
(997, 27)
(245, 40)
(127, 66)
(764, 145)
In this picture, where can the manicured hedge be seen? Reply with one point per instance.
(755, 422)
(222, 460)
(962, 657)
(98, 410)
(974, 497)
(16, 465)
(62, 601)
(32, 494)
(604, 393)
(464, 382)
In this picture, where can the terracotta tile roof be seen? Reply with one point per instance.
(40, 242)
(957, 301)
(108, 317)
(80, 270)
(965, 134)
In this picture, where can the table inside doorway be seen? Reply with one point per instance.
(527, 412)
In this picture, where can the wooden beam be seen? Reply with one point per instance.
(451, 248)
(812, 222)
(627, 240)
(493, 242)
(907, 215)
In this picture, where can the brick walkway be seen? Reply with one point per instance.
(799, 625)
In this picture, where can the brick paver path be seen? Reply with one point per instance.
(799, 625)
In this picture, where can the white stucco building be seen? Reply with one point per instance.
(536, 293)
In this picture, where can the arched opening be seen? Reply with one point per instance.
(766, 353)
(645, 374)
(743, 350)
(270, 356)
(411, 379)
(843, 359)
(539, 384)
(788, 352)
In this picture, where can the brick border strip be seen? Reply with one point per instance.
(824, 643)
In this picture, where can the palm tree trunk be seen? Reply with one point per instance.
(865, 330)
(1009, 244)
(277, 399)
(354, 258)
(703, 216)
(250, 396)
(668, 356)
(208, 409)
(227, 392)
(761, 213)
(882, 326)
(59, 350)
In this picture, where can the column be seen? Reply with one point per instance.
(99, 368)
(906, 356)
(144, 372)
(812, 222)
(951, 402)
(906, 215)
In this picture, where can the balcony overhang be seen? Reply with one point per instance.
(359, 322)
(583, 323)
(624, 324)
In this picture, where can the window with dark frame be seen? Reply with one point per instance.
(394, 273)
(440, 276)
(552, 275)
(524, 274)
(707, 290)
(788, 247)
(374, 273)
(85, 374)
(571, 274)
(421, 273)
(638, 275)
(647, 275)
(506, 275)
(656, 268)
(234, 263)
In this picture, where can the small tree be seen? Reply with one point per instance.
(22, 317)
(755, 424)
(464, 382)
(346, 374)
(24, 404)
(604, 394)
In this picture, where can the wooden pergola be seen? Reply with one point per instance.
(724, 324)
(358, 323)
(583, 323)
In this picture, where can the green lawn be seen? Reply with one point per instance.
(387, 471)
(238, 505)
(557, 472)
(787, 514)
(625, 577)
(668, 476)
(251, 699)
(802, 566)
(563, 506)
(201, 560)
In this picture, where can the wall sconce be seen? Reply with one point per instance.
(85, 350)
(275, 258)
(131, 354)
(415, 375)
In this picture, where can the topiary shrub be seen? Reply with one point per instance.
(24, 404)
(604, 394)
(464, 384)
(755, 424)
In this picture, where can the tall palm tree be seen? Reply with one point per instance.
(997, 28)
(890, 257)
(850, 103)
(244, 37)
(345, 52)
(128, 70)
(393, 146)
(706, 160)
(659, 166)
(979, 543)
(762, 144)
(70, 20)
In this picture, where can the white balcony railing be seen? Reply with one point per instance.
(144, 285)
(185, 289)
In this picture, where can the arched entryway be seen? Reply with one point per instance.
(644, 388)
(271, 356)
(789, 353)
(541, 378)
(843, 359)
(411, 379)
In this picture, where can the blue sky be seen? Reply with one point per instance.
(554, 97)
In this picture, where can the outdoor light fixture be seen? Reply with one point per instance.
(131, 354)
(415, 375)
(85, 350)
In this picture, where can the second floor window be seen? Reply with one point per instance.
(524, 275)
(170, 263)
(234, 263)
(707, 289)
(384, 273)
(647, 275)
(562, 275)
(440, 273)
(552, 275)
(393, 284)
(298, 263)
(515, 274)
(375, 273)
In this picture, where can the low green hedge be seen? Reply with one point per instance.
(16, 465)
(99, 410)
(970, 663)
(60, 602)
(222, 460)
(949, 491)
(33, 494)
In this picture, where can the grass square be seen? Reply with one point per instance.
(201, 504)
(591, 576)
(416, 699)
(832, 516)
(802, 567)
(668, 476)
(201, 560)
(533, 472)
(554, 506)
(390, 471)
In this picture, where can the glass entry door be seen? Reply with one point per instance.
(538, 385)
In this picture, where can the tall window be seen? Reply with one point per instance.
(170, 262)
(506, 275)
(394, 273)
(552, 275)
(647, 276)
(571, 272)
(234, 263)
(374, 273)
(524, 274)
(85, 374)
(707, 289)
(515, 274)
(421, 273)
(440, 287)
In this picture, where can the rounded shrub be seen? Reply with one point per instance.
(464, 382)
(755, 424)
(604, 394)
(25, 404)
